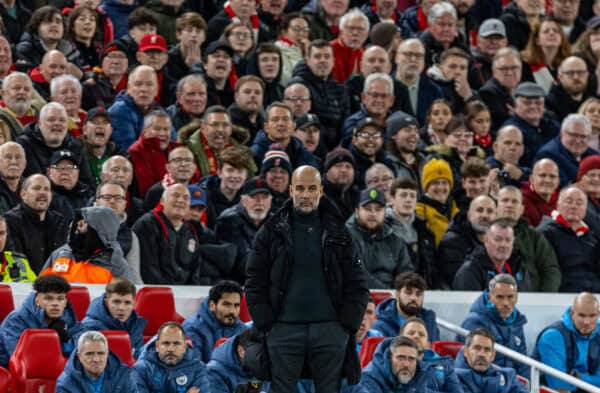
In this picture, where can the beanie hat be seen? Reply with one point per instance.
(337, 155)
(276, 157)
(436, 168)
(587, 164)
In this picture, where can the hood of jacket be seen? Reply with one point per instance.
(568, 322)
(204, 316)
(483, 306)
(32, 311)
(225, 357)
(252, 65)
(436, 74)
(97, 311)
(104, 221)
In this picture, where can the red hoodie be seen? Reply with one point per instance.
(346, 61)
(535, 206)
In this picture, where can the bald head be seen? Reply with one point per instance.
(545, 178)
(176, 203)
(584, 313)
(54, 63)
(482, 211)
(375, 59)
(306, 189)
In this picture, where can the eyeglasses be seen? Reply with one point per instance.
(109, 197)
(376, 180)
(118, 56)
(299, 29)
(378, 95)
(64, 168)
(366, 135)
(416, 55)
(181, 160)
(508, 69)
(572, 73)
(573, 135)
(297, 99)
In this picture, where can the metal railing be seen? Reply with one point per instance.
(536, 367)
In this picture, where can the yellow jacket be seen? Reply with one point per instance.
(436, 221)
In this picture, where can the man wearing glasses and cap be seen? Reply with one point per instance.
(367, 148)
(491, 36)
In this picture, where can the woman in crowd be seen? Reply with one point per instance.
(479, 122)
(438, 116)
(293, 42)
(81, 31)
(591, 109)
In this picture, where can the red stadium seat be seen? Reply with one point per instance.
(119, 343)
(221, 341)
(244, 313)
(157, 306)
(79, 297)
(7, 303)
(447, 348)
(36, 362)
(546, 389)
(524, 381)
(4, 379)
(380, 296)
(367, 349)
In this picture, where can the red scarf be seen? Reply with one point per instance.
(29, 117)
(578, 231)
(287, 41)
(213, 164)
(483, 141)
(253, 20)
(505, 268)
(421, 19)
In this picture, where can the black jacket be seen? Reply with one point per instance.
(480, 69)
(66, 202)
(242, 120)
(517, 26)
(363, 163)
(8, 199)
(330, 102)
(214, 96)
(34, 238)
(269, 267)
(433, 49)
(14, 26)
(561, 103)
(496, 98)
(354, 85)
(178, 116)
(345, 200)
(30, 51)
(217, 201)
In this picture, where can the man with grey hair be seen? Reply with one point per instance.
(49, 135)
(380, 176)
(442, 32)
(572, 89)
(17, 107)
(377, 98)
(93, 367)
(12, 165)
(66, 90)
(191, 100)
(495, 309)
(570, 147)
(348, 47)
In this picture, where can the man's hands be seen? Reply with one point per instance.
(462, 88)
(193, 389)
(191, 54)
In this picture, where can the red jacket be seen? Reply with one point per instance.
(149, 162)
(535, 206)
(346, 61)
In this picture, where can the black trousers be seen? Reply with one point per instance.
(321, 346)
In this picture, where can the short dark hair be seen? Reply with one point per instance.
(51, 283)
(214, 109)
(190, 19)
(120, 286)
(318, 43)
(226, 286)
(456, 122)
(249, 78)
(277, 104)
(454, 52)
(141, 16)
(479, 332)
(401, 341)
(170, 324)
(288, 18)
(411, 320)
(409, 280)
(237, 158)
(403, 183)
(474, 167)
(267, 47)
(106, 183)
(42, 14)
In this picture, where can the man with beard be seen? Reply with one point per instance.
(338, 183)
(508, 150)
(496, 255)
(383, 251)
(566, 12)
(191, 101)
(572, 89)
(464, 233)
(495, 309)
(12, 165)
(276, 169)
(238, 224)
(247, 110)
(408, 302)
(402, 132)
(367, 148)
(491, 37)
(464, 22)
(217, 317)
(365, 331)
(178, 366)
(17, 108)
(396, 367)
(475, 370)
(34, 230)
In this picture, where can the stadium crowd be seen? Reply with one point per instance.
(302, 146)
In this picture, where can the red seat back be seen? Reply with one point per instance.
(79, 297)
(7, 303)
(546, 389)
(244, 313)
(157, 306)
(380, 296)
(119, 343)
(4, 379)
(447, 348)
(36, 362)
(367, 349)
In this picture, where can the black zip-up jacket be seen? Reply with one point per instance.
(268, 271)
(517, 26)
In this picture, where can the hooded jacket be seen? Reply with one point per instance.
(457, 102)
(204, 330)
(126, 119)
(106, 224)
(166, 15)
(116, 377)
(224, 370)
(31, 51)
(217, 201)
(578, 353)
(535, 207)
(295, 150)
(30, 316)
(149, 162)
(378, 377)
(497, 97)
(98, 318)
(151, 375)
(493, 380)
(389, 321)
(273, 90)
(384, 253)
(509, 332)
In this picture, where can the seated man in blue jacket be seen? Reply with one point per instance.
(495, 309)
(114, 310)
(475, 370)
(410, 293)
(47, 307)
(169, 366)
(365, 331)
(572, 345)
(93, 368)
(218, 317)
(396, 368)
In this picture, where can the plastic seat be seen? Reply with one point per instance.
(157, 306)
(7, 303)
(119, 343)
(4, 379)
(447, 348)
(244, 312)
(380, 296)
(79, 297)
(367, 349)
(36, 362)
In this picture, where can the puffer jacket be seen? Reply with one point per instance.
(295, 150)
(224, 370)
(205, 330)
(389, 321)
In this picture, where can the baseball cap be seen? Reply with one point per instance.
(152, 42)
(367, 121)
(492, 27)
(95, 112)
(218, 45)
(254, 186)
(371, 195)
(60, 155)
(307, 120)
(529, 89)
(197, 195)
